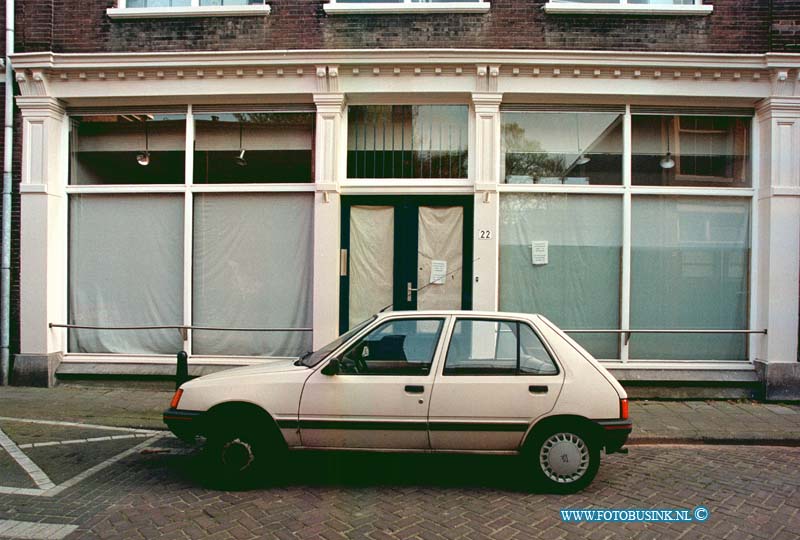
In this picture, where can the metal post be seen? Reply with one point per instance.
(182, 369)
(5, 257)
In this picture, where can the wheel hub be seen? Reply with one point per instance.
(237, 455)
(564, 457)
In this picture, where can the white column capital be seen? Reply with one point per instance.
(41, 107)
(487, 103)
(329, 103)
(779, 106)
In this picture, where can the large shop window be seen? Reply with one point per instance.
(252, 269)
(560, 256)
(125, 269)
(127, 149)
(407, 141)
(690, 270)
(250, 147)
(703, 151)
(578, 148)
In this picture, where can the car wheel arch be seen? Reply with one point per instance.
(573, 421)
(245, 410)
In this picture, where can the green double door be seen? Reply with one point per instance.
(404, 253)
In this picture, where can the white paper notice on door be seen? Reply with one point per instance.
(438, 272)
(539, 252)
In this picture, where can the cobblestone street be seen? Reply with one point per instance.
(158, 491)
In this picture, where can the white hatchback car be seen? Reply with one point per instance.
(430, 381)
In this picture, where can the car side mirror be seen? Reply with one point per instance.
(332, 368)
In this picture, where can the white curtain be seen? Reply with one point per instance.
(252, 269)
(125, 269)
(440, 237)
(371, 260)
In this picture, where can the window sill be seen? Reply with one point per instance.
(393, 8)
(178, 12)
(626, 9)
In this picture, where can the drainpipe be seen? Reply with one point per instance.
(5, 256)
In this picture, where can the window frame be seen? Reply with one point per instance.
(187, 189)
(519, 323)
(193, 10)
(627, 8)
(334, 7)
(443, 320)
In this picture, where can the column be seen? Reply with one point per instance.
(330, 167)
(487, 177)
(43, 243)
(778, 235)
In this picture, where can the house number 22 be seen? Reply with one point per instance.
(485, 234)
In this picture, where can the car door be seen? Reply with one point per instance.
(379, 398)
(496, 378)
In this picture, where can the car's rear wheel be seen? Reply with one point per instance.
(565, 458)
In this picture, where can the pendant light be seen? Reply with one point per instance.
(143, 158)
(582, 158)
(239, 160)
(667, 162)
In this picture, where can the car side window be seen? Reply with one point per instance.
(399, 347)
(493, 347)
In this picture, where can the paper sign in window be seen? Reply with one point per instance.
(438, 272)
(539, 252)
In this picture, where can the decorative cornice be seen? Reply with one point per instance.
(32, 106)
(334, 71)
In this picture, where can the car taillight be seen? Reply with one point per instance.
(179, 392)
(623, 409)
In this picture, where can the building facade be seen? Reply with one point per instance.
(631, 170)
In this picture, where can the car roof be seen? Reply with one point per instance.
(457, 312)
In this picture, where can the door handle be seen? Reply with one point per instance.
(409, 290)
(415, 389)
(533, 389)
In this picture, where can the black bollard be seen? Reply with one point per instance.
(182, 370)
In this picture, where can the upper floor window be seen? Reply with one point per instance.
(137, 9)
(406, 6)
(638, 7)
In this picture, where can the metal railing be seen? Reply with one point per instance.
(182, 328)
(628, 332)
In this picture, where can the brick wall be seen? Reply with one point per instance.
(744, 26)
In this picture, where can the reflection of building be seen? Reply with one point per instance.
(297, 177)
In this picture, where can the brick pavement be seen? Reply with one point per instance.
(751, 492)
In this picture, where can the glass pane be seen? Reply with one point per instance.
(575, 278)
(533, 357)
(440, 255)
(482, 348)
(407, 141)
(253, 147)
(252, 269)
(371, 261)
(690, 268)
(664, 2)
(403, 347)
(710, 151)
(157, 3)
(127, 149)
(562, 148)
(125, 269)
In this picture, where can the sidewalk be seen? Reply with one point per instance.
(712, 422)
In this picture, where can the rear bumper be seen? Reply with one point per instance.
(184, 424)
(614, 433)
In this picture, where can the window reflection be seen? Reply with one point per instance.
(562, 148)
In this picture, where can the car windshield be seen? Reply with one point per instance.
(314, 358)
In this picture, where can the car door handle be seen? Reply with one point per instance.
(415, 389)
(533, 389)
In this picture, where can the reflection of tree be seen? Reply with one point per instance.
(276, 119)
(526, 157)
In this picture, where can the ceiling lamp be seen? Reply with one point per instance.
(143, 158)
(582, 158)
(667, 162)
(239, 160)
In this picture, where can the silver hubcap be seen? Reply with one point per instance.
(564, 458)
(237, 454)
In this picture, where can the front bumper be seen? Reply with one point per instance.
(184, 424)
(614, 434)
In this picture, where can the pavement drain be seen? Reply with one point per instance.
(43, 458)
